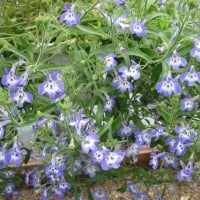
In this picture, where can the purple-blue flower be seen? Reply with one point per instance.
(175, 61)
(99, 194)
(2, 124)
(89, 142)
(4, 156)
(15, 154)
(186, 132)
(132, 150)
(168, 86)
(91, 169)
(132, 72)
(109, 60)
(23, 79)
(79, 122)
(97, 155)
(133, 188)
(21, 97)
(186, 172)
(180, 146)
(169, 159)
(159, 131)
(69, 16)
(188, 103)
(122, 84)
(191, 77)
(120, 2)
(121, 22)
(153, 162)
(137, 27)
(112, 159)
(143, 137)
(27, 176)
(53, 86)
(142, 196)
(126, 130)
(10, 79)
(195, 52)
(63, 185)
(10, 191)
(110, 102)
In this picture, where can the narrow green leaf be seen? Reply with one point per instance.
(139, 53)
(106, 127)
(92, 31)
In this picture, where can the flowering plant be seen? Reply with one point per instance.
(87, 86)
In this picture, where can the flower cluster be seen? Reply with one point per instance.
(96, 86)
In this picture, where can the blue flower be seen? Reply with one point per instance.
(45, 195)
(109, 60)
(99, 194)
(63, 185)
(15, 154)
(112, 159)
(121, 84)
(186, 172)
(133, 188)
(154, 159)
(4, 156)
(121, 22)
(168, 86)
(132, 72)
(132, 150)
(10, 79)
(2, 124)
(110, 102)
(143, 137)
(120, 2)
(9, 191)
(169, 160)
(126, 130)
(69, 17)
(23, 79)
(180, 146)
(137, 27)
(97, 155)
(188, 104)
(79, 122)
(159, 131)
(186, 133)
(54, 169)
(142, 196)
(191, 76)
(27, 176)
(176, 61)
(89, 142)
(195, 52)
(20, 97)
(53, 86)
(91, 169)
(36, 179)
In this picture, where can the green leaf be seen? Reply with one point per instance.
(139, 53)
(89, 195)
(99, 115)
(117, 123)
(138, 122)
(91, 31)
(106, 127)
(148, 3)
(122, 189)
(165, 70)
(164, 112)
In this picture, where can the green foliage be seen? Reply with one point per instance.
(31, 30)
